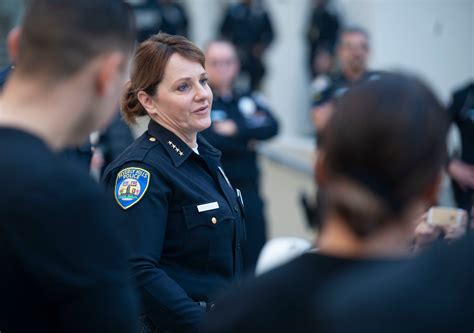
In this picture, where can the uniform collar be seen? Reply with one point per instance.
(4, 74)
(178, 150)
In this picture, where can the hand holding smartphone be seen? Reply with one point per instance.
(446, 216)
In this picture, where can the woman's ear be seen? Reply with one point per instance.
(320, 173)
(13, 43)
(147, 102)
(109, 72)
(431, 193)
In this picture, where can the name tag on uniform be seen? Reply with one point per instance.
(208, 206)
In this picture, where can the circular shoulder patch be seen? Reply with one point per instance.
(130, 186)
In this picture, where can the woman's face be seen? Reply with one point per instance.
(183, 99)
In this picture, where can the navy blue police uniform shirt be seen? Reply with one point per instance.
(64, 264)
(254, 122)
(185, 223)
(461, 112)
(339, 85)
(336, 88)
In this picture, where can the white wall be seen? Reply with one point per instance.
(286, 83)
(205, 16)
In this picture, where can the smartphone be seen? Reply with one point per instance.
(445, 216)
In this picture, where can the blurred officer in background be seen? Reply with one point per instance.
(239, 121)
(461, 168)
(64, 261)
(185, 219)
(379, 176)
(352, 55)
(248, 26)
(153, 16)
(322, 31)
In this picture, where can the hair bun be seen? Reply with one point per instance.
(130, 105)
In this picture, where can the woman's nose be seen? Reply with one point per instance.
(203, 92)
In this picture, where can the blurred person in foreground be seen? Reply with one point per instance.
(239, 121)
(379, 176)
(81, 154)
(64, 263)
(431, 294)
(92, 156)
(184, 216)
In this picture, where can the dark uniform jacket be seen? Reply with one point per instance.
(339, 85)
(254, 122)
(282, 299)
(461, 112)
(431, 294)
(185, 224)
(64, 264)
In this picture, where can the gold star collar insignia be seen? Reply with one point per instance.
(175, 148)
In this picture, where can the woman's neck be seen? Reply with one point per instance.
(189, 138)
(337, 239)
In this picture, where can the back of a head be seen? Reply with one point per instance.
(386, 144)
(59, 37)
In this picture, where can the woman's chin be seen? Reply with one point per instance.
(202, 124)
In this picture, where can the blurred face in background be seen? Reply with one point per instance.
(353, 52)
(222, 65)
(322, 62)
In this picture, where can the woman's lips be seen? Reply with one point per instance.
(202, 111)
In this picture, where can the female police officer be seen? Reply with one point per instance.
(184, 217)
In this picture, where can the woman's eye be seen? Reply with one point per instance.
(183, 87)
(204, 81)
